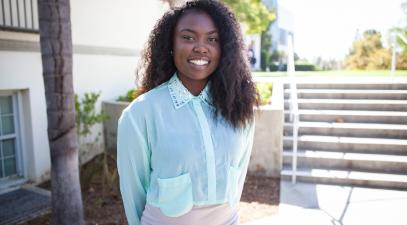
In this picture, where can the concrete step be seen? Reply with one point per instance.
(350, 104)
(349, 144)
(378, 163)
(349, 94)
(352, 116)
(351, 85)
(372, 130)
(348, 178)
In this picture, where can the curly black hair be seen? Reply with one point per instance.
(232, 89)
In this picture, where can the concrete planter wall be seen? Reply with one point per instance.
(266, 158)
(114, 110)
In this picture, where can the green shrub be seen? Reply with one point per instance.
(298, 67)
(86, 115)
(130, 96)
(305, 67)
(265, 90)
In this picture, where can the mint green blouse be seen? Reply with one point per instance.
(172, 153)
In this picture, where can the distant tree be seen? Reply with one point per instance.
(368, 53)
(400, 42)
(296, 57)
(401, 57)
(253, 13)
(275, 56)
(265, 54)
(56, 53)
(330, 64)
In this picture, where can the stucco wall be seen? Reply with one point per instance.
(119, 23)
(107, 37)
(22, 71)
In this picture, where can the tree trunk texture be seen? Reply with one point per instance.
(56, 53)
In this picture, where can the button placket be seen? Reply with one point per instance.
(209, 151)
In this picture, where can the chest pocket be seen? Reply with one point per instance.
(175, 195)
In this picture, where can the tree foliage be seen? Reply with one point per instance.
(265, 50)
(265, 91)
(400, 42)
(368, 53)
(401, 62)
(253, 13)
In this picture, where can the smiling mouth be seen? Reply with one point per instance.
(199, 62)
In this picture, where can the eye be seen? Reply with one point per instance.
(187, 37)
(212, 39)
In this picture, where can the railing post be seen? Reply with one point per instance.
(393, 56)
(294, 118)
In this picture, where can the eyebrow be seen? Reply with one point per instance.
(192, 31)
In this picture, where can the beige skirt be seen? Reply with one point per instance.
(221, 214)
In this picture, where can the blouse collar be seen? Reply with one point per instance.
(180, 95)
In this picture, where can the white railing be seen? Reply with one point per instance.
(19, 15)
(294, 117)
(394, 37)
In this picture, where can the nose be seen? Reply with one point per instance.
(200, 48)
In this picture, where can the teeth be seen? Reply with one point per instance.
(199, 62)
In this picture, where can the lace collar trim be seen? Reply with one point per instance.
(180, 95)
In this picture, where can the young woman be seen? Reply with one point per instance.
(184, 145)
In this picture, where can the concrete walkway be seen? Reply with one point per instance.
(315, 204)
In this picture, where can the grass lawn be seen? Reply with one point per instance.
(357, 73)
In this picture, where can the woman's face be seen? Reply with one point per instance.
(196, 47)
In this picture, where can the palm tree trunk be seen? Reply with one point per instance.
(56, 52)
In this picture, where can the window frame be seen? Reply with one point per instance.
(20, 167)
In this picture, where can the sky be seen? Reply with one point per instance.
(327, 28)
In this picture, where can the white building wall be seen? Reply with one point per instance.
(280, 28)
(107, 36)
(122, 26)
(119, 23)
(285, 19)
(22, 71)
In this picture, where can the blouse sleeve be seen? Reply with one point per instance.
(244, 161)
(133, 163)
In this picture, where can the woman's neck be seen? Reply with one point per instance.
(195, 87)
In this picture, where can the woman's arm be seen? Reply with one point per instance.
(133, 163)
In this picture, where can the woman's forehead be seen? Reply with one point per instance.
(195, 20)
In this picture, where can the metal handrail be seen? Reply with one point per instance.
(394, 36)
(294, 117)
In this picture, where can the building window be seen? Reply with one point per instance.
(9, 154)
(283, 37)
(19, 15)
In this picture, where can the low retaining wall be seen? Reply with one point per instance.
(266, 158)
(114, 110)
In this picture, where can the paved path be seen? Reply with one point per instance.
(310, 204)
